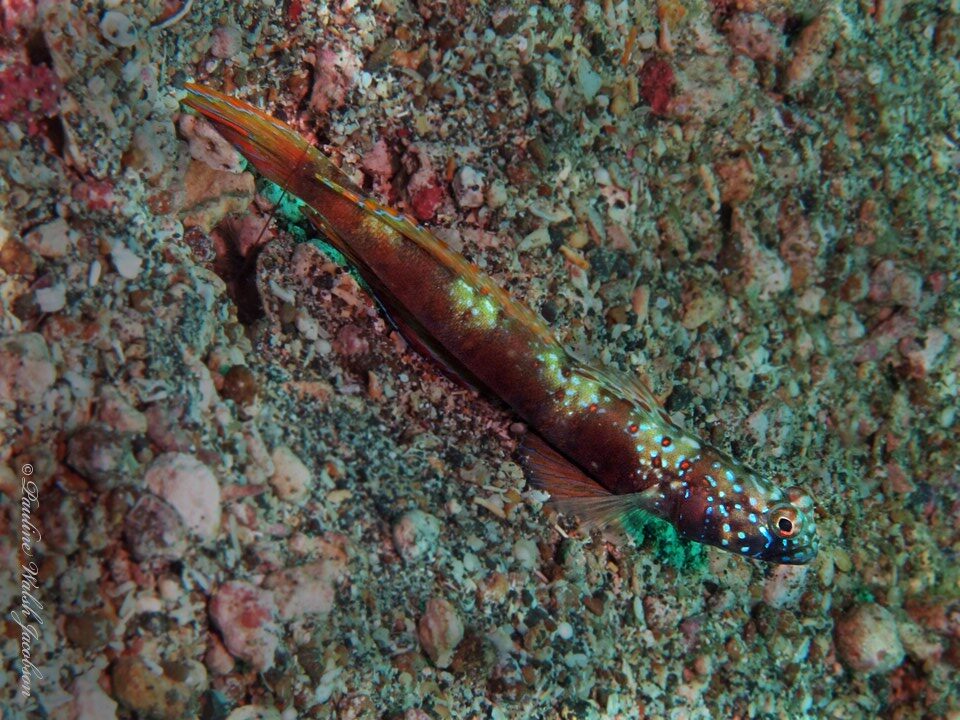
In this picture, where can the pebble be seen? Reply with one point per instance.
(525, 552)
(226, 42)
(440, 631)
(26, 371)
(90, 702)
(588, 80)
(425, 193)
(810, 51)
(468, 187)
(784, 585)
(211, 195)
(102, 456)
(90, 630)
(208, 146)
(191, 488)
(51, 299)
(116, 412)
(125, 261)
(153, 530)
(240, 385)
(172, 693)
(246, 615)
(868, 641)
(291, 479)
(415, 535)
(218, 659)
(118, 29)
(305, 590)
(50, 240)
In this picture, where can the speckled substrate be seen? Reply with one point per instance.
(256, 502)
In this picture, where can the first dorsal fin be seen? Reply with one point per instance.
(573, 492)
(626, 386)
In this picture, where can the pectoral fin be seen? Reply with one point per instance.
(573, 492)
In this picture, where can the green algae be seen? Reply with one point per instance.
(659, 536)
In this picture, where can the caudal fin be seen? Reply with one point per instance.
(277, 151)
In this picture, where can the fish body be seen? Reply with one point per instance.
(604, 448)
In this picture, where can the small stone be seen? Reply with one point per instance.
(440, 631)
(191, 488)
(240, 385)
(226, 42)
(588, 80)
(305, 590)
(118, 29)
(153, 530)
(172, 693)
(785, 585)
(415, 535)
(468, 187)
(868, 641)
(90, 630)
(246, 615)
(291, 479)
(810, 51)
(841, 559)
(16, 258)
(50, 240)
(351, 341)
(525, 552)
(102, 456)
(208, 146)
(118, 414)
(126, 263)
(425, 193)
(701, 309)
(218, 659)
(26, 371)
(51, 299)
(211, 195)
(497, 195)
(90, 702)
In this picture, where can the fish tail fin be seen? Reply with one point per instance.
(275, 149)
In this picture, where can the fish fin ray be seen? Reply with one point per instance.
(626, 386)
(573, 492)
(550, 471)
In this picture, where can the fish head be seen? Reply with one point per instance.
(725, 504)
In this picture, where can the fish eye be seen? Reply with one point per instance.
(784, 522)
